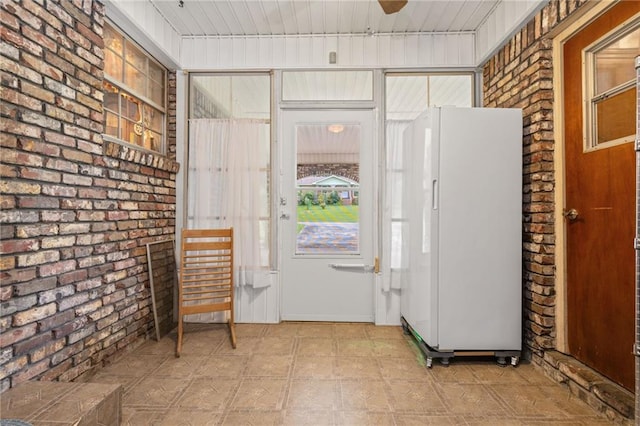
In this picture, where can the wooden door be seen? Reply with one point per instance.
(600, 186)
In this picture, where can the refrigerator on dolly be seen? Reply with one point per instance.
(461, 278)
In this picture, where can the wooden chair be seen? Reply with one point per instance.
(206, 276)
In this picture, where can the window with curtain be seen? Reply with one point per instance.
(406, 96)
(229, 166)
(134, 93)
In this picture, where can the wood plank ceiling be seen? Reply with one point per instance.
(227, 18)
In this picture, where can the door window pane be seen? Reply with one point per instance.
(327, 187)
(610, 89)
(614, 63)
(616, 116)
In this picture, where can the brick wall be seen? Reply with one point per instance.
(76, 211)
(521, 75)
(351, 171)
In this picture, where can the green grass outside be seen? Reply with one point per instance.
(349, 214)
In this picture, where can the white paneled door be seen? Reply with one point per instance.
(326, 215)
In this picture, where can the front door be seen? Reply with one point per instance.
(326, 215)
(599, 210)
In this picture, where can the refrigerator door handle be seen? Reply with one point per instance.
(434, 194)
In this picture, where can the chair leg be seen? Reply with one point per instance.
(232, 331)
(179, 340)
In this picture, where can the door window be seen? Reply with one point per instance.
(610, 89)
(327, 185)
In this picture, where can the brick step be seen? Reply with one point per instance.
(590, 386)
(63, 403)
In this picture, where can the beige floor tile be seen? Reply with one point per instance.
(493, 421)
(209, 394)
(127, 382)
(275, 345)
(349, 330)
(166, 345)
(299, 373)
(316, 346)
(541, 401)
(394, 348)
(453, 374)
(384, 332)
(191, 417)
(135, 364)
(430, 420)
(252, 418)
(184, 367)
(355, 347)
(132, 416)
(469, 399)
(250, 331)
(317, 330)
(301, 417)
(492, 373)
(200, 343)
(154, 392)
(364, 395)
(357, 367)
(243, 347)
(313, 395)
(223, 366)
(260, 394)
(402, 368)
(415, 397)
(314, 367)
(284, 329)
(269, 366)
(364, 418)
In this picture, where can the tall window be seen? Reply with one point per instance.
(134, 93)
(610, 89)
(229, 165)
(408, 95)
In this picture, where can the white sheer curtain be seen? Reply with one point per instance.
(392, 215)
(228, 186)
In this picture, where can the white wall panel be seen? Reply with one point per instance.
(142, 22)
(507, 19)
(353, 51)
(257, 305)
(387, 306)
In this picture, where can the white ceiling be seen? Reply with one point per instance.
(221, 18)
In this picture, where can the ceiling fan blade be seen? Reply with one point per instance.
(392, 6)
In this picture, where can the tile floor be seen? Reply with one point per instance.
(328, 374)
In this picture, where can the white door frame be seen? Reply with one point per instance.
(354, 278)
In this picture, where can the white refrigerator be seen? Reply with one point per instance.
(461, 274)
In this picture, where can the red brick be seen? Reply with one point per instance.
(55, 320)
(26, 346)
(73, 277)
(57, 268)
(18, 246)
(39, 38)
(34, 314)
(39, 175)
(33, 370)
(21, 99)
(17, 334)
